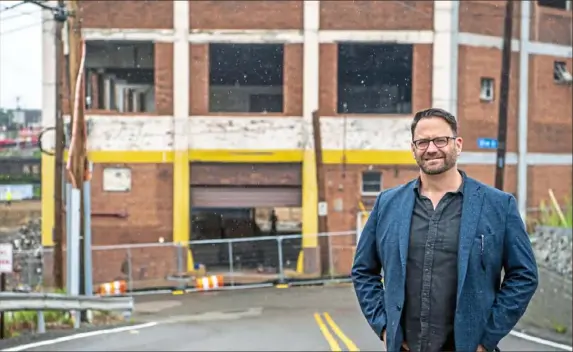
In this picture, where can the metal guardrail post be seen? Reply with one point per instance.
(129, 271)
(231, 262)
(41, 322)
(179, 249)
(331, 269)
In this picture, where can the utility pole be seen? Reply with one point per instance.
(77, 162)
(323, 241)
(58, 268)
(504, 96)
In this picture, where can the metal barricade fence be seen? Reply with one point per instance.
(234, 262)
(27, 275)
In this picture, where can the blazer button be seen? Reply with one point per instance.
(399, 307)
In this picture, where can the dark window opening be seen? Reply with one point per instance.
(375, 78)
(120, 76)
(556, 4)
(371, 182)
(246, 78)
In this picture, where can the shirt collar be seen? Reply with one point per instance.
(459, 190)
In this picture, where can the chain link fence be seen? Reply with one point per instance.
(168, 266)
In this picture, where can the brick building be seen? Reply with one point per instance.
(188, 98)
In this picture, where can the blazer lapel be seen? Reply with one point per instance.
(470, 218)
(404, 213)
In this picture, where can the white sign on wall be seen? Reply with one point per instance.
(6, 259)
(116, 179)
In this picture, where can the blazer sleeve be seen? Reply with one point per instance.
(519, 283)
(366, 275)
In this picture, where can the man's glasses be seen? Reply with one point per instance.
(439, 142)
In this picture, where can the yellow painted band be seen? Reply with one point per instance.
(48, 204)
(368, 157)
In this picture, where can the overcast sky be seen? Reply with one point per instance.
(20, 55)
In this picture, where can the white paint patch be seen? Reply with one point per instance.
(130, 133)
(366, 133)
(540, 341)
(80, 336)
(244, 133)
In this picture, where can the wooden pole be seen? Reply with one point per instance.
(504, 95)
(58, 269)
(323, 241)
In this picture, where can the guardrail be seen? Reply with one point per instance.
(11, 302)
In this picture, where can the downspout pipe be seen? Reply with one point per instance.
(523, 108)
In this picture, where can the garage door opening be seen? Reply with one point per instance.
(245, 238)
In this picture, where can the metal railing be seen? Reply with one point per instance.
(40, 302)
(166, 266)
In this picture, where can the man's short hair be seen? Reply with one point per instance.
(434, 112)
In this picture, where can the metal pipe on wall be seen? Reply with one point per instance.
(88, 236)
(523, 108)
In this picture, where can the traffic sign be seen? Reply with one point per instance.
(6, 258)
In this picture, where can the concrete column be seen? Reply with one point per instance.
(523, 109)
(309, 259)
(181, 172)
(48, 120)
(445, 56)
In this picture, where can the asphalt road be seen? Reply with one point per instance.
(271, 319)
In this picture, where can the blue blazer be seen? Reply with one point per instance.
(487, 310)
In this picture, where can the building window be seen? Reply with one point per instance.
(246, 78)
(375, 78)
(556, 4)
(120, 76)
(486, 89)
(560, 73)
(371, 182)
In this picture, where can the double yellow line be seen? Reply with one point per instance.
(324, 328)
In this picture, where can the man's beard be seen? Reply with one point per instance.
(444, 162)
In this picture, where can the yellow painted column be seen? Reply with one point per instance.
(48, 120)
(181, 170)
(48, 202)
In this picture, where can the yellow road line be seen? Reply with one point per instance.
(334, 346)
(347, 341)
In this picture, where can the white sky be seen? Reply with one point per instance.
(20, 55)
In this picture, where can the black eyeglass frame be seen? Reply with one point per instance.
(441, 144)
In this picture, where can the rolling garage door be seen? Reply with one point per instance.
(245, 197)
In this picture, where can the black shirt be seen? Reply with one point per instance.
(431, 273)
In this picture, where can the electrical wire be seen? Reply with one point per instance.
(11, 7)
(21, 28)
(40, 146)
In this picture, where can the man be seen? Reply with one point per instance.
(442, 241)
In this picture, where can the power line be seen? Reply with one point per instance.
(21, 28)
(17, 15)
(8, 8)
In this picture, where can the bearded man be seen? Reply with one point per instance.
(442, 241)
